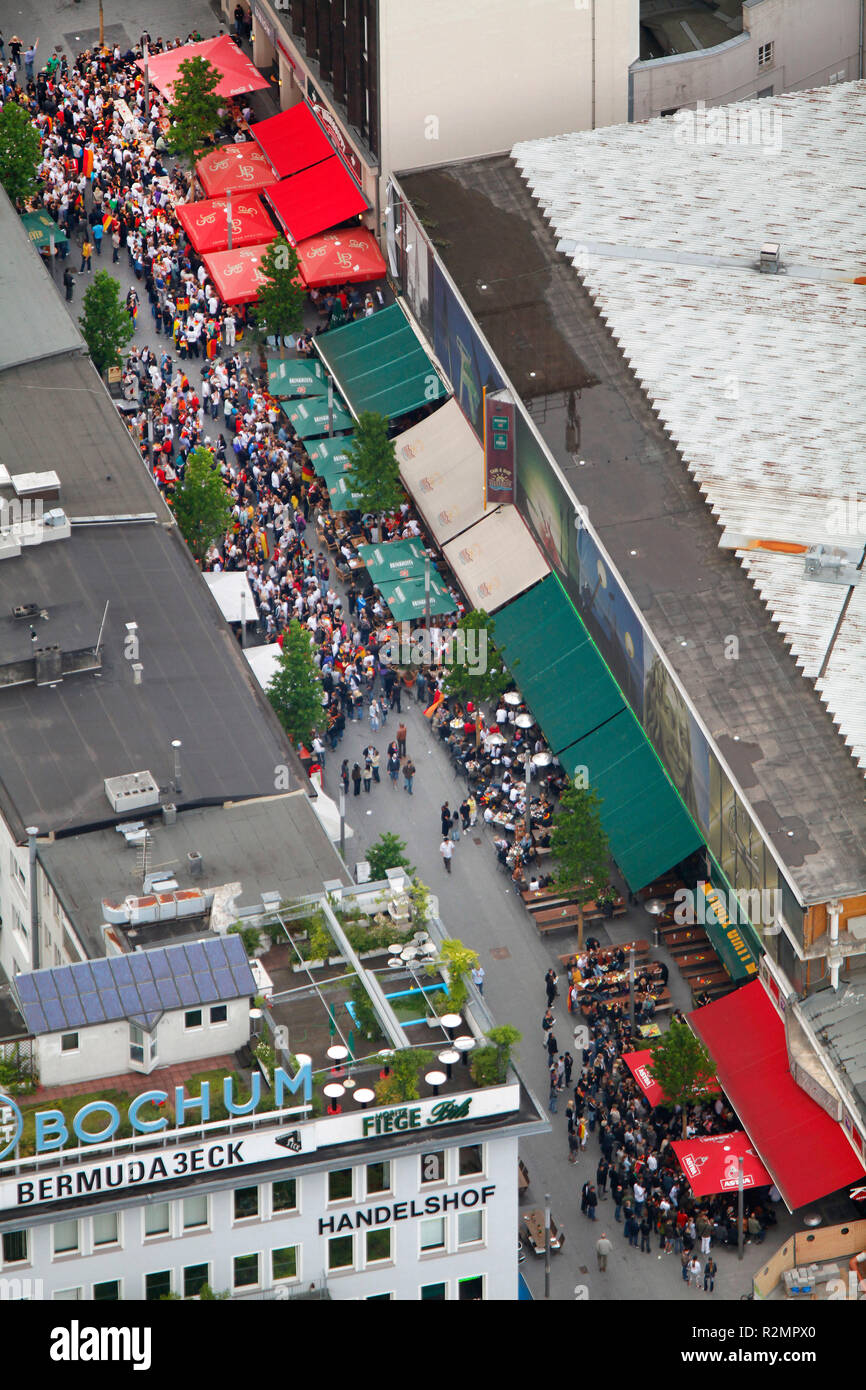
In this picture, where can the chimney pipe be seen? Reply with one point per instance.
(834, 959)
(176, 745)
(32, 832)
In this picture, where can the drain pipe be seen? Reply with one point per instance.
(860, 48)
(834, 959)
(32, 832)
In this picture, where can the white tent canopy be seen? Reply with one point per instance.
(328, 812)
(496, 559)
(442, 466)
(234, 596)
(264, 662)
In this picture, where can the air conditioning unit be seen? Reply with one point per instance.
(131, 791)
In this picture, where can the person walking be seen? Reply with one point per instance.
(445, 819)
(603, 1248)
(375, 759)
(344, 775)
(368, 774)
(393, 768)
(695, 1272)
(455, 826)
(601, 1174)
(591, 1202)
(630, 1230)
(478, 978)
(552, 1046)
(356, 780)
(86, 253)
(553, 1095)
(584, 1194)
(374, 714)
(446, 849)
(582, 1131)
(547, 1023)
(645, 1228)
(401, 739)
(69, 281)
(710, 1269)
(115, 247)
(550, 986)
(572, 1144)
(409, 776)
(685, 1261)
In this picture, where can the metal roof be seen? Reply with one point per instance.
(140, 987)
(34, 323)
(751, 374)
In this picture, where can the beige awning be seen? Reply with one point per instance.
(496, 559)
(442, 467)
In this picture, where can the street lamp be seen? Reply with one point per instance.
(229, 217)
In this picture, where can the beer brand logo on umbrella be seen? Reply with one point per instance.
(694, 1163)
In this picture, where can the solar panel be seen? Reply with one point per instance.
(140, 967)
(224, 983)
(92, 1006)
(149, 996)
(74, 1012)
(36, 1020)
(159, 965)
(216, 956)
(102, 974)
(196, 957)
(64, 982)
(187, 990)
(121, 973)
(26, 988)
(168, 995)
(129, 999)
(84, 978)
(45, 986)
(54, 1014)
(235, 950)
(243, 978)
(111, 1003)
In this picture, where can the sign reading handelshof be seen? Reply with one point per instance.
(499, 456)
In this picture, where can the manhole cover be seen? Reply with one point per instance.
(476, 840)
(500, 953)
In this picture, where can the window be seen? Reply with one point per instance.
(194, 1280)
(378, 1177)
(470, 1227)
(107, 1292)
(65, 1237)
(67, 1295)
(246, 1271)
(192, 1018)
(340, 1185)
(284, 1263)
(105, 1229)
(195, 1212)
(18, 873)
(765, 55)
(157, 1286)
(433, 1234)
(246, 1202)
(136, 1044)
(219, 1013)
(68, 1042)
(433, 1167)
(14, 1247)
(378, 1245)
(470, 1290)
(434, 1292)
(285, 1195)
(341, 1252)
(18, 924)
(156, 1219)
(470, 1160)
(378, 1297)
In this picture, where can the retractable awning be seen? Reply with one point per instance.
(394, 560)
(330, 451)
(311, 417)
(41, 229)
(588, 724)
(406, 598)
(496, 559)
(442, 467)
(380, 365)
(237, 275)
(640, 1065)
(340, 258)
(316, 199)
(234, 168)
(206, 223)
(296, 377)
(712, 1163)
(343, 497)
(805, 1150)
(237, 73)
(292, 140)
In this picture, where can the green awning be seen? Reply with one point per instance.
(406, 600)
(393, 561)
(330, 451)
(588, 723)
(310, 418)
(379, 364)
(343, 499)
(736, 943)
(298, 377)
(40, 228)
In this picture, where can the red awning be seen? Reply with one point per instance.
(238, 168)
(206, 224)
(316, 199)
(711, 1163)
(236, 274)
(802, 1146)
(293, 140)
(238, 73)
(340, 258)
(640, 1066)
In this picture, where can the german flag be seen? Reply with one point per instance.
(107, 223)
(87, 163)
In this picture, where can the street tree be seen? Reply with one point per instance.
(279, 310)
(476, 670)
(201, 503)
(388, 852)
(682, 1067)
(375, 474)
(20, 153)
(579, 845)
(194, 108)
(295, 689)
(106, 324)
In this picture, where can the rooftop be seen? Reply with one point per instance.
(29, 299)
(839, 1020)
(674, 27)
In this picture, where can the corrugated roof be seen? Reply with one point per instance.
(139, 987)
(753, 375)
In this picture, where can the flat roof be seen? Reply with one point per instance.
(34, 323)
(599, 425)
(271, 845)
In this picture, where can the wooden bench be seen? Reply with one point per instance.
(713, 982)
(554, 918)
(698, 963)
(683, 936)
(532, 1230)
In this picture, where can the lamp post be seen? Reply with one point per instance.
(631, 990)
(342, 823)
(740, 1232)
(229, 217)
(427, 591)
(146, 56)
(547, 1245)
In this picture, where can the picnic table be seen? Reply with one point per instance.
(714, 982)
(697, 962)
(533, 1232)
(567, 915)
(683, 937)
(640, 947)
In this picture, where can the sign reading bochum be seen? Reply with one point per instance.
(52, 1127)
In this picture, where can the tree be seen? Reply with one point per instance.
(194, 108)
(458, 961)
(580, 847)
(682, 1067)
(105, 323)
(404, 1068)
(279, 309)
(20, 152)
(388, 852)
(375, 472)
(201, 503)
(295, 690)
(476, 671)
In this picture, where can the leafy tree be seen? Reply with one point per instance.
(477, 672)
(295, 690)
(375, 472)
(194, 108)
(682, 1067)
(20, 152)
(388, 852)
(405, 1068)
(458, 960)
(489, 1063)
(580, 847)
(201, 502)
(503, 1038)
(105, 323)
(279, 309)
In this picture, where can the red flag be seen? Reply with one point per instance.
(87, 163)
